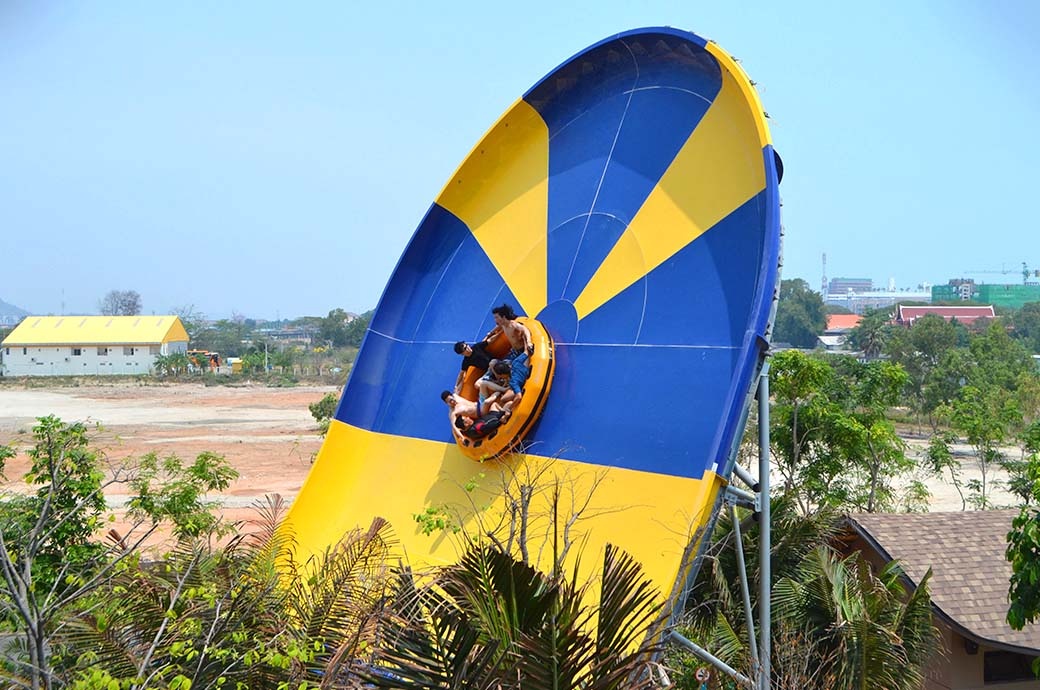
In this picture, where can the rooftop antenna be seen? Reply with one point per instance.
(823, 284)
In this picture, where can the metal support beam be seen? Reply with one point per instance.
(742, 498)
(765, 544)
(758, 500)
(745, 477)
(707, 656)
(749, 619)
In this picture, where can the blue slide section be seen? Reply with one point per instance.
(656, 378)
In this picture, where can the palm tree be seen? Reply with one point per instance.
(876, 633)
(715, 614)
(493, 621)
(835, 611)
(245, 613)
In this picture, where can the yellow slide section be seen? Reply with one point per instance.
(717, 170)
(651, 516)
(501, 193)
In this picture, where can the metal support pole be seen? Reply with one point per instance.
(765, 573)
(749, 619)
(707, 656)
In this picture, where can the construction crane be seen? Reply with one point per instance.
(1026, 273)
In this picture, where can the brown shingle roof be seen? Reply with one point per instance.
(965, 551)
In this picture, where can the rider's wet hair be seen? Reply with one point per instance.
(505, 311)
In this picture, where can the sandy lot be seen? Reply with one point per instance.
(267, 434)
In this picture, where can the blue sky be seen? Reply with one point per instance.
(273, 161)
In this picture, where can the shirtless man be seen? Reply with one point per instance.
(459, 407)
(466, 410)
(519, 336)
(522, 347)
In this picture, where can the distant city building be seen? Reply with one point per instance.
(906, 316)
(842, 285)
(1008, 296)
(302, 335)
(861, 302)
(90, 345)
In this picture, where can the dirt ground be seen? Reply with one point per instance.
(267, 434)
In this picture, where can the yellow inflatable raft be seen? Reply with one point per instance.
(509, 436)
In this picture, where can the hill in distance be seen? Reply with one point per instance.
(10, 314)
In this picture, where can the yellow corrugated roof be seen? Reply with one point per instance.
(99, 330)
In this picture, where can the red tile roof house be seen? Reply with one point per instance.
(837, 331)
(838, 324)
(964, 315)
(969, 586)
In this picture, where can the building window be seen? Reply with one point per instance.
(154, 349)
(25, 350)
(77, 351)
(102, 352)
(128, 351)
(1001, 667)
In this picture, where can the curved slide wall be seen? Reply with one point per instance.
(629, 202)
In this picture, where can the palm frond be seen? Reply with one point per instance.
(629, 610)
(347, 580)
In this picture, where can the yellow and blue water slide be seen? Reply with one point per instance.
(629, 202)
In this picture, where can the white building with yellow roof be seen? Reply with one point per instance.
(90, 345)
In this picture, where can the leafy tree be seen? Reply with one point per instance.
(985, 417)
(323, 410)
(800, 417)
(943, 383)
(999, 360)
(166, 488)
(120, 303)
(333, 328)
(940, 460)
(1022, 472)
(800, 315)
(1026, 326)
(342, 330)
(926, 341)
(283, 357)
(357, 328)
(50, 556)
(225, 336)
(832, 441)
(1024, 538)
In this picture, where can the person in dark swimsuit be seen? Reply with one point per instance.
(475, 355)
